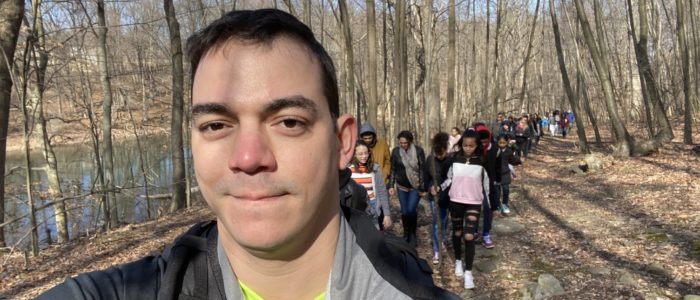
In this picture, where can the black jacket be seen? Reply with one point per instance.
(491, 163)
(398, 170)
(189, 269)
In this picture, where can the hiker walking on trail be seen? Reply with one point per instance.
(491, 164)
(522, 135)
(406, 180)
(455, 135)
(378, 147)
(368, 174)
(469, 184)
(554, 123)
(564, 125)
(507, 161)
(268, 142)
(497, 125)
(436, 166)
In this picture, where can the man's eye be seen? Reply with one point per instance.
(213, 127)
(291, 123)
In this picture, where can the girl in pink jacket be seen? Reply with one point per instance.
(469, 184)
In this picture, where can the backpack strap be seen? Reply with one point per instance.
(189, 251)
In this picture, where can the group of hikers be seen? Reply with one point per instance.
(465, 177)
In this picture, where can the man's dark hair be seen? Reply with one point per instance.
(406, 135)
(264, 26)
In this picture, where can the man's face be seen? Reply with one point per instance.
(368, 138)
(265, 152)
(500, 118)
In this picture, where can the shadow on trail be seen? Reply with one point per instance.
(683, 287)
(606, 195)
(84, 262)
(668, 167)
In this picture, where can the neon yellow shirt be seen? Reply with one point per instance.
(249, 294)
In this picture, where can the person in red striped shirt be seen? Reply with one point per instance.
(369, 174)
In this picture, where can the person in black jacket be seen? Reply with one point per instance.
(435, 172)
(491, 161)
(268, 142)
(406, 180)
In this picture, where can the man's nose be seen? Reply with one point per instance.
(251, 152)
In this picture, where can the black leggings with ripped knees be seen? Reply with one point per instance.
(459, 212)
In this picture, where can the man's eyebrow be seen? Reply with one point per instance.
(209, 108)
(290, 102)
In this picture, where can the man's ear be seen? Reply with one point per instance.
(347, 137)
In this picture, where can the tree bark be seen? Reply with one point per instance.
(108, 161)
(625, 142)
(451, 58)
(176, 143)
(665, 133)
(523, 88)
(11, 13)
(36, 100)
(685, 57)
(580, 129)
(349, 55)
(372, 101)
(497, 57)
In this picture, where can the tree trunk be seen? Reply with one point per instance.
(665, 133)
(400, 65)
(496, 71)
(523, 89)
(176, 143)
(583, 143)
(107, 156)
(349, 55)
(11, 12)
(451, 53)
(306, 6)
(36, 98)
(685, 57)
(486, 60)
(625, 141)
(372, 101)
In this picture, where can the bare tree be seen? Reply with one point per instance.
(107, 156)
(11, 13)
(625, 141)
(451, 64)
(651, 90)
(583, 142)
(176, 142)
(526, 61)
(680, 31)
(371, 64)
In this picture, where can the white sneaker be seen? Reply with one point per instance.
(468, 280)
(459, 269)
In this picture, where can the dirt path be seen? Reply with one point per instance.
(630, 230)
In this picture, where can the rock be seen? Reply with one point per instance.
(527, 292)
(485, 266)
(506, 226)
(691, 297)
(695, 249)
(599, 271)
(657, 237)
(548, 286)
(655, 297)
(482, 252)
(627, 279)
(657, 269)
(467, 294)
(593, 162)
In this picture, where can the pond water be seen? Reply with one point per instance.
(78, 176)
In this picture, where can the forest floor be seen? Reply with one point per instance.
(628, 231)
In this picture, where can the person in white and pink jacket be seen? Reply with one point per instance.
(469, 184)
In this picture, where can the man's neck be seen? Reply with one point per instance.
(304, 277)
